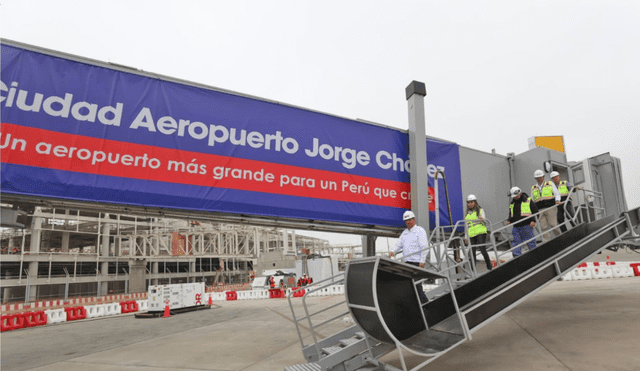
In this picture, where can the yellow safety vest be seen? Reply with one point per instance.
(547, 192)
(475, 228)
(525, 208)
(563, 189)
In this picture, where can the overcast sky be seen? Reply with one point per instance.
(496, 72)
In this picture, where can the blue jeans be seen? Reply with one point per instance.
(522, 234)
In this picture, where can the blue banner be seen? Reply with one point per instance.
(79, 131)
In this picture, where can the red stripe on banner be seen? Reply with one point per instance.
(28, 146)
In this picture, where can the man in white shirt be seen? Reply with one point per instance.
(413, 243)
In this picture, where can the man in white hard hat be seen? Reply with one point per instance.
(520, 212)
(546, 197)
(413, 243)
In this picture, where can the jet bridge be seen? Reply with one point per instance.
(381, 296)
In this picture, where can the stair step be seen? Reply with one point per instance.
(331, 350)
(304, 367)
(347, 342)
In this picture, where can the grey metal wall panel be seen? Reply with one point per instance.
(486, 175)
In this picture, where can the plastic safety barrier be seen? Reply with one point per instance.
(581, 273)
(243, 295)
(231, 295)
(33, 319)
(601, 272)
(112, 309)
(621, 271)
(56, 315)
(143, 304)
(94, 311)
(128, 307)
(276, 293)
(75, 313)
(217, 296)
(636, 268)
(298, 293)
(262, 294)
(11, 322)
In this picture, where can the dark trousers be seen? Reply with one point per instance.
(421, 294)
(480, 240)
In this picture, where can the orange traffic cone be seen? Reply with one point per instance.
(167, 311)
(210, 301)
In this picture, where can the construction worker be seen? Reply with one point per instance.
(477, 230)
(272, 283)
(413, 243)
(520, 212)
(546, 197)
(564, 188)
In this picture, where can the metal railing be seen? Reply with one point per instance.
(453, 255)
(308, 317)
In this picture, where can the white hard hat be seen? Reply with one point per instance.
(408, 215)
(538, 174)
(513, 192)
(471, 198)
(554, 173)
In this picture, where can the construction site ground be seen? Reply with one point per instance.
(569, 325)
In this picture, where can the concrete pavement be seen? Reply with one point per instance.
(573, 325)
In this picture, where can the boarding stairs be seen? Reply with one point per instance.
(381, 297)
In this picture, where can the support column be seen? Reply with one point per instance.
(154, 269)
(116, 246)
(6, 295)
(36, 232)
(104, 235)
(415, 93)
(104, 279)
(137, 275)
(65, 242)
(192, 270)
(65, 235)
(33, 276)
(368, 245)
(294, 248)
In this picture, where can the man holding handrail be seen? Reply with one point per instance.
(413, 243)
(546, 197)
(520, 212)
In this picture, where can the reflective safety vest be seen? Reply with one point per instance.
(525, 208)
(547, 192)
(563, 189)
(475, 228)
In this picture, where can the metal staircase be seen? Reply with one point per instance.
(378, 289)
